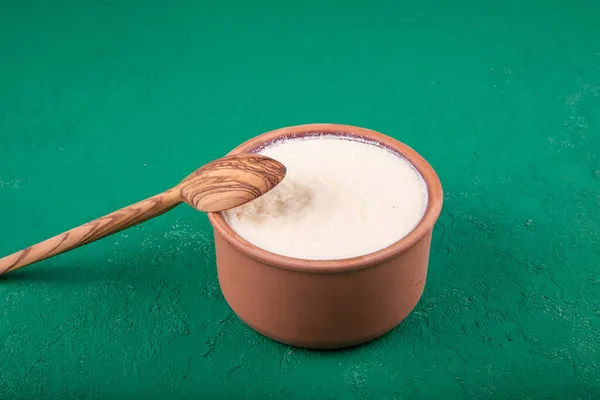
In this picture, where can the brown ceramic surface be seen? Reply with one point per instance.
(327, 304)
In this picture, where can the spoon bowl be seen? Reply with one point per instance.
(230, 182)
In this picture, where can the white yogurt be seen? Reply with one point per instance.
(340, 199)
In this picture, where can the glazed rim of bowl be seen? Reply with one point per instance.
(425, 225)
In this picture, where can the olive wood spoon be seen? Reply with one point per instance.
(220, 185)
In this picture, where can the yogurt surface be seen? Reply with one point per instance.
(340, 199)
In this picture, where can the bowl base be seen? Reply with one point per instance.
(316, 344)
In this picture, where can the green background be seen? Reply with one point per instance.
(103, 103)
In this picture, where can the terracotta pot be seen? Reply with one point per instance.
(327, 304)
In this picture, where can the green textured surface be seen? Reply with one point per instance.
(105, 103)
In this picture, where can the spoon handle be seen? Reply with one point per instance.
(92, 231)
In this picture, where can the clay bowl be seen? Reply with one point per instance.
(327, 304)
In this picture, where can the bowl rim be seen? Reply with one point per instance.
(425, 226)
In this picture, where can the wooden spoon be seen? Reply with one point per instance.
(223, 184)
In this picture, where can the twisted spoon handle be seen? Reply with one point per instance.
(92, 231)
